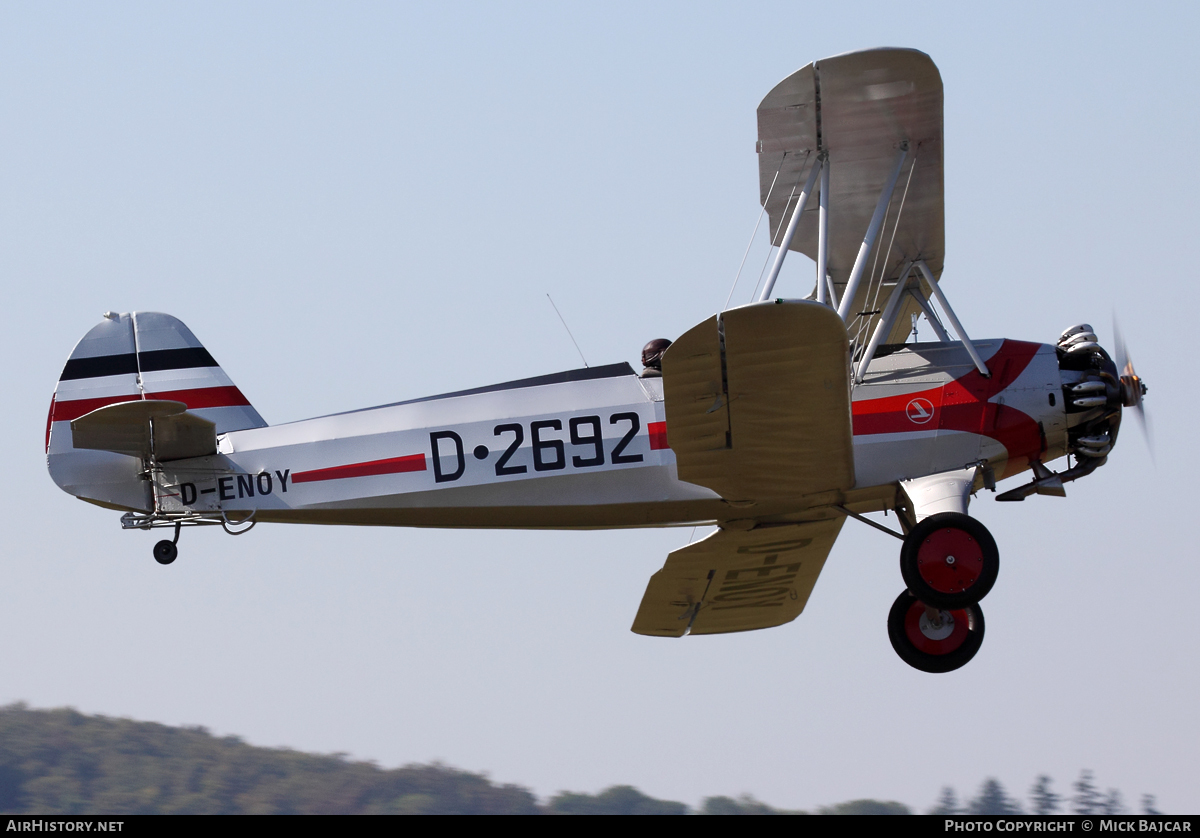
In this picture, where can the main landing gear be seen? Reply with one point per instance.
(933, 639)
(949, 562)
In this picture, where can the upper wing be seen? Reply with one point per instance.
(140, 428)
(859, 107)
(758, 402)
(737, 581)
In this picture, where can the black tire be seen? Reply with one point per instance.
(922, 649)
(937, 576)
(165, 552)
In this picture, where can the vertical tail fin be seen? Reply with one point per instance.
(143, 355)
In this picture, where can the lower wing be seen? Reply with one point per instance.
(737, 581)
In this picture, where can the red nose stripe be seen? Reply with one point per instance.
(890, 415)
(964, 404)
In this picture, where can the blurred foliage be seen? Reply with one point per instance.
(866, 807)
(618, 800)
(992, 799)
(744, 805)
(63, 762)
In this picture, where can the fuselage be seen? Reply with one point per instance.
(591, 449)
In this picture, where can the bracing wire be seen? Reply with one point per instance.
(868, 304)
(878, 283)
(782, 223)
(750, 243)
(896, 226)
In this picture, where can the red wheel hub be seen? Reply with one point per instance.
(939, 636)
(950, 560)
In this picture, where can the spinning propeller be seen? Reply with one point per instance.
(1133, 389)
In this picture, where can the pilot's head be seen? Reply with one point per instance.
(652, 353)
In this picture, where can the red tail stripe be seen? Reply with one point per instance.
(194, 399)
(393, 465)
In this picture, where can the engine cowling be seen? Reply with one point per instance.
(1094, 392)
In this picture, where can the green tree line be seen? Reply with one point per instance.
(1086, 799)
(66, 762)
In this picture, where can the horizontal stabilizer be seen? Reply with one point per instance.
(142, 428)
(758, 402)
(737, 581)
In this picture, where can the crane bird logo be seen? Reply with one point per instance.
(919, 411)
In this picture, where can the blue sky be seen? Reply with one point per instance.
(353, 206)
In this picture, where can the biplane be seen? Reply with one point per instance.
(774, 421)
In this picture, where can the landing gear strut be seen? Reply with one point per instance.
(165, 551)
(932, 639)
(949, 561)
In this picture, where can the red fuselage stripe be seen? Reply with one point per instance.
(658, 435)
(394, 465)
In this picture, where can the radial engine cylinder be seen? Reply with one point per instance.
(1093, 392)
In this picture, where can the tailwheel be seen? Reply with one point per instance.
(949, 560)
(932, 639)
(165, 551)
